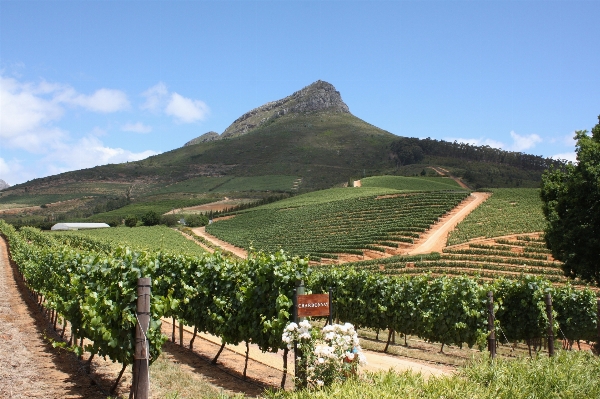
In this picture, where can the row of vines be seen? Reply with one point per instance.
(344, 226)
(94, 288)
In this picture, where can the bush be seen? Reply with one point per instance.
(196, 220)
(169, 220)
(114, 222)
(131, 221)
(151, 218)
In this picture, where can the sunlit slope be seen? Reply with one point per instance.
(343, 220)
(411, 183)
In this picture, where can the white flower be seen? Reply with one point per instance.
(305, 324)
(291, 327)
(350, 356)
(320, 383)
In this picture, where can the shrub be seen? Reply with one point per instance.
(196, 220)
(169, 220)
(131, 221)
(151, 218)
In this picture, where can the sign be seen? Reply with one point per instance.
(313, 305)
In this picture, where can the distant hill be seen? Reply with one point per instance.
(3, 184)
(303, 142)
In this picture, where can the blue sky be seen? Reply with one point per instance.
(86, 83)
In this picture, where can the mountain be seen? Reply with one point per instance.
(317, 97)
(209, 136)
(303, 142)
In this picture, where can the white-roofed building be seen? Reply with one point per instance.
(78, 226)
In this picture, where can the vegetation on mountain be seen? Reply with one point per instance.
(301, 143)
(507, 211)
(305, 227)
(571, 197)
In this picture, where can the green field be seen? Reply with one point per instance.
(153, 239)
(507, 211)
(322, 228)
(140, 208)
(411, 183)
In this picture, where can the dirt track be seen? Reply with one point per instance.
(29, 366)
(201, 231)
(435, 239)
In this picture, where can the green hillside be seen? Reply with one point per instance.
(343, 220)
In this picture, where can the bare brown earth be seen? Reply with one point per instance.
(434, 240)
(267, 367)
(29, 366)
(56, 206)
(444, 172)
(213, 206)
(201, 231)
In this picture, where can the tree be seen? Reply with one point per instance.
(131, 221)
(571, 197)
(151, 218)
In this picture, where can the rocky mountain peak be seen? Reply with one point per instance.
(318, 96)
(209, 136)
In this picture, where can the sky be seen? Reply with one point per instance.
(86, 83)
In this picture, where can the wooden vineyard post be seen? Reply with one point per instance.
(141, 373)
(299, 368)
(550, 324)
(598, 326)
(330, 306)
(491, 329)
(180, 333)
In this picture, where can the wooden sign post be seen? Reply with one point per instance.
(306, 306)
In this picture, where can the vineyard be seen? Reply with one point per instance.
(150, 239)
(377, 223)
(488, 259)
(411, 183)
(250, 300)
(507, 211)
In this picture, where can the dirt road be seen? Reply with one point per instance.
(434, 239)
(201, 231)
(29, 366)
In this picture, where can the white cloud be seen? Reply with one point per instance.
(155, 97)
(185, 109)
(569, 156)
(103, 100)
(88, 152)
(21, 110)
(28, 111)
(13, 172)
(137, 127)
(522, 143)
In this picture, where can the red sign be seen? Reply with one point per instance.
(313, 305)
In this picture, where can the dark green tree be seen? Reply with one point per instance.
(571, 197)
(131, 221)
(151, 218)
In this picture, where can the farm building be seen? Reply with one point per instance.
(79, 226)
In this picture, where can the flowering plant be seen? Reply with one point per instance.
(331, 354)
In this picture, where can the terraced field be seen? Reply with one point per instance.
(380, 223)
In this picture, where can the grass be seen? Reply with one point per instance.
(170, 381)
(411, 183)
(566, 375)
(155, 238)
(507, 211)
(140, 208)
